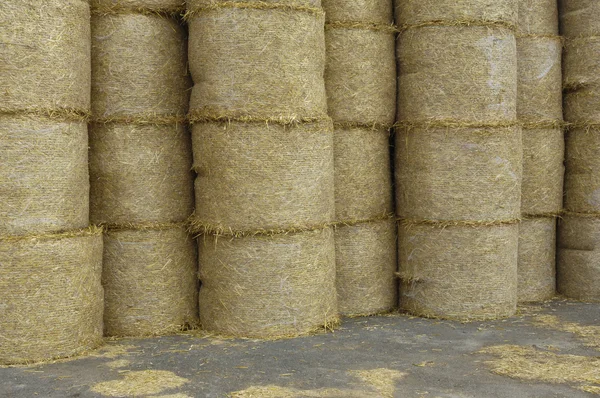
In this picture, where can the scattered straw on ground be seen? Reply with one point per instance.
(271, 391)
(528, 363)
(383, 380)
(170, 396)
(140, 383)
(113, 351)
(119, 363)
(590, 334)
(590, 389)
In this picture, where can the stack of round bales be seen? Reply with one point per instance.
(360, 79)
(539, 109)
(140, 166)
(51, 295)
(578, 267)
(263, 152)
(458, 158)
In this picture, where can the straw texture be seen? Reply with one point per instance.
(458, 158)
(150, 282)
(268, 286)
(257, 177)
(45, 57)
(366, 263)
(538, 17)
(140, 173)
(137, 6)
(537, 259)
(256, 75)
(582, 183)
(44, 183)
(374, 11)
(578, 263)
(50, 296)
(459, 272)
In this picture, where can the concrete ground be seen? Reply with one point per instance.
(548, 350)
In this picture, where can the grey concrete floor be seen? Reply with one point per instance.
(414, 357)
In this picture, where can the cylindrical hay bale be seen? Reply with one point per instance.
(458, 158)
(268, 286)
(262, 177)
(150, 281)
(578, 263)
(460, 272)
(366, 262)
(538, 18)
(51, 296)
(360, 75)
(582, 181)
(537, 255)
(274, 70)
(140, 173)
(44, 182)
(483, 182)
(45, 57)
(139, 69)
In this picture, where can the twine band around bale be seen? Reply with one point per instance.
(124, 10)
(108, 228)
(453, 124)
(535, 216)
(91, 231)
(543, 124)
(460, 23)
(252, 5)
(592, 215)
(59, 114)
(284, 120)
(142, 119)
(587, 125)
(351, 223)
(362, 25)
(358, 125)
(455, 223)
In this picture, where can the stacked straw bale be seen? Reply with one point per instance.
(263, 152)
(458, 158)
(578, 267)
(51, 296)
(539, 109)
(360, 79)
(140, 166)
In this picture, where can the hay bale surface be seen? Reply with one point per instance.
(483, 184)
(263, 177)
(460, 272)
(146, 6)
(150, 281)
(51, 297)
(365, 11)
(259, 76)
(139, 69)
(578, 261)
(538, 17)
(44, 182)
(579, 18)
(360, 76)
(45, 57)
(537, 255)
(140, 173)
(472, 12)
(582, 179)
(268, 286)
(366, 263)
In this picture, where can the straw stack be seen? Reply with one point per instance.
(140, 166)
(459, 155)
(360, 79)
(263, 152)
(539, 108)
(578, 268)
(51, 297)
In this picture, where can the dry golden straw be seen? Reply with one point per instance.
(52, 298)
(120, 7)
(537, 259)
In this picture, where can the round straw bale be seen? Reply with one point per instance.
(196, 6)
(459, 74)
(413, 12)
(581, 62)
(274, 70)
(140, 173)
(360, 76)
(45, 56)
(150, 280)
(268, 286)
(371, 11)
(363, 181)
(543, 171)
(537, 259)
(459, 272)
(263, 177)
(579, 17)
(540, 78)
(51, 297)
(582, 106)
(141, 6)
(44, 182)
(582, 177)
(366, 262)
(139, 68)
(482, 184)
(538, 17)
(578, 262)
